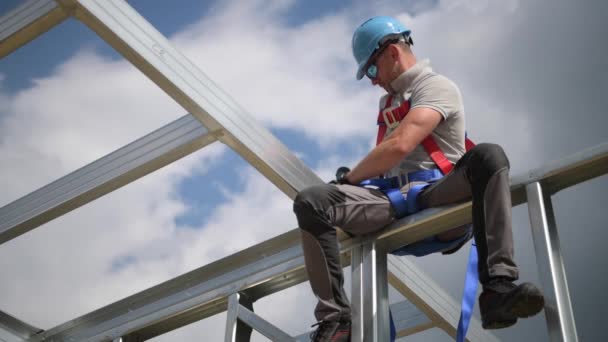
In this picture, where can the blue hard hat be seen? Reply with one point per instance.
(368, 37)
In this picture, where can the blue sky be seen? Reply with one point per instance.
(533, 79)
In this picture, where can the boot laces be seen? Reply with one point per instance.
(323, 328)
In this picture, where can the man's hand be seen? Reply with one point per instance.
(341, 174)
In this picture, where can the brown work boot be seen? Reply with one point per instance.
(501, 303)
(331, 331)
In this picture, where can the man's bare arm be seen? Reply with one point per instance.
(416, 126)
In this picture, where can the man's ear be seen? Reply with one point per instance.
(394, 51)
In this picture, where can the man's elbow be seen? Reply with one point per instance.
(403, 147)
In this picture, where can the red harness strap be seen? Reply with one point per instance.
(429, 143)
(395, 115)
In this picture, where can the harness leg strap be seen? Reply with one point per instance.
(412, 198)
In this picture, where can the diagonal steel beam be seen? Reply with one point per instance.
(139, 42)
(433, 301)
(133, 161)
(26, 22)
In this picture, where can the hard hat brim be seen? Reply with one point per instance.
(360, 71)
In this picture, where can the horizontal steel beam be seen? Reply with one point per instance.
(26, 22)
(138, 41)
(13, 329)
(133, 161)
(571, 170)
(153, 306)
(557, 175)
(261, 269)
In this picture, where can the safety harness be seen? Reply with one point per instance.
(389, 117)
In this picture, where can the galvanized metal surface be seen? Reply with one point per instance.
(356, 293)
(570, 170)
(13, 329)
(409, 319)
(133, 161)
(262, 326)
(551, 270)
(232, 313)
(375, 293)
(26, 22)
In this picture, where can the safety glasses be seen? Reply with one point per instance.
(371, 70)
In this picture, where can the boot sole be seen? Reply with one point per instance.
(498, 324)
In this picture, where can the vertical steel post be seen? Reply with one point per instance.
(558, 307)
(356, 296)
(231, 317)
(243, 331)
(375, 294)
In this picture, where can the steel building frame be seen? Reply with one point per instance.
(234, 283)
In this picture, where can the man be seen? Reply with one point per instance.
(433, 104)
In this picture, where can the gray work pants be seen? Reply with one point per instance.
(481, 175)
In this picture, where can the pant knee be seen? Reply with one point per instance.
(308, 200)
(489, 159)
(312, 204)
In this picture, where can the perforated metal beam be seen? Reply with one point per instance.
(26, 22)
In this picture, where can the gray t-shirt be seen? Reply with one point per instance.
(424, 88)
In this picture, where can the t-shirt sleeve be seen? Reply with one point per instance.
(438, 93)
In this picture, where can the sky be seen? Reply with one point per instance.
(533, 76)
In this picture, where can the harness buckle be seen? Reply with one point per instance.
(390, 117)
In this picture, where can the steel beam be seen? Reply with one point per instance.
(26, 22)
(132, 315)
(237, 312)
(13, 329)
(232, 314)
(568, 171)
(243, 331)
(133, 161)
(139, 42)
(376, 326)
(551, 270)
(262, 326)
(356, 293)
(409, 319)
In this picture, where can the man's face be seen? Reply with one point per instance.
(380, 69)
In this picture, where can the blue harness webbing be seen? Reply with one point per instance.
(407, 205)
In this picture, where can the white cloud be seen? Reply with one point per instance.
(288, 77)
